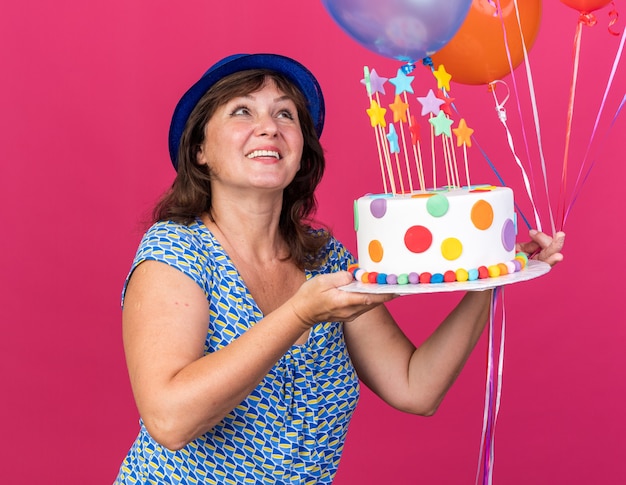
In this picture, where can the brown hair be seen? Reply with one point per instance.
(190, 193)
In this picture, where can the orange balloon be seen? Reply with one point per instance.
(477, 53)
(586, 6)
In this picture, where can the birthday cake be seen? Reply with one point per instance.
(436, 236)
(410, 234)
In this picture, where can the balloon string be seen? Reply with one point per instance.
(483, 438)
(493, 393)
(500, 377)
(616, 61)
(487, 455)
(502, 116)
(514, 81)
(570, 115)
(533, 99)
(577, 193)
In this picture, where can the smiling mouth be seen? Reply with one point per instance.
(264, 153)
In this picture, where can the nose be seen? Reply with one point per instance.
(266, 125)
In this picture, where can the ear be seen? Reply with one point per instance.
(200, 156)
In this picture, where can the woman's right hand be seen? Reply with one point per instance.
(321, 300)
(542, 247)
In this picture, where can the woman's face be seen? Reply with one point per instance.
(253, 141)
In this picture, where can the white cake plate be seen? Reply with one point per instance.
(533, 270)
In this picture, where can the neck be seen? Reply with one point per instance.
(248, 228)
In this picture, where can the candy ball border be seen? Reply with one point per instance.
(482, 272)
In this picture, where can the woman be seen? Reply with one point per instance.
(243, 354)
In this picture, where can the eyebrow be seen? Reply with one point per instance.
(284, 97)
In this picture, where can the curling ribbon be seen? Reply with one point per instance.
(614, 16)
(578, 187)
(493, 393)
(409, 67)
(428, 62)
(502, 116)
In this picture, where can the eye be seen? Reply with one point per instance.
(240, 110)
(286, 113)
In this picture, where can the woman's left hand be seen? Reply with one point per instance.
(542, 247)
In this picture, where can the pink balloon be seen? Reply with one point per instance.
(586, 6)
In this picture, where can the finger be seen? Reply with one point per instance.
(546, 241)
(340, 278)
(558, 241)
(553, 259)
(555, 245)
(552, 253)
(528, 247)
(364, 304)
(366, 300)
(541, 238)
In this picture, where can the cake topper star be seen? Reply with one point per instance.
(402, 82)
(376, 82)
(442, 124)
(392, 142)
(414, 129)
(430, 103)
(392, 137)
(463, 134)
(376, 114)
(446, 107)
(443, 78)
(399, 109)
(366, 81)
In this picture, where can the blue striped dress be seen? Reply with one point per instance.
(291, 429)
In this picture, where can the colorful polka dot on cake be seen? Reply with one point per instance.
(508, 235)
(482, 215)
(451, 248)
(418, 239)
(437, 205)
(376, 251)
(378, 207)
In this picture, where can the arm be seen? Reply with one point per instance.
(414, 379)
(181, 393)
(411, 379)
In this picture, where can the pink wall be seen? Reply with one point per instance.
(87, 92)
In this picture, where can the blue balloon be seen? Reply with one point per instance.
(406, 30)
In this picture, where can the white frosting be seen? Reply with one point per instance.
(382, 223)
